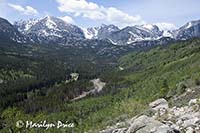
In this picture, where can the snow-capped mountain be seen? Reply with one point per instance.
(188, 31)
(100, 32)
(49, 30)
(9, 32)
(132, 34)
(127, 35)
(52, 30)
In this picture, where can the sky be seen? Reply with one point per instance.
(167, 14)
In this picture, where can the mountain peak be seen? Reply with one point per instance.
(151, 27)
(188, 31)
(48, 16)
(50, 22)
(49, 29)
(190, 24)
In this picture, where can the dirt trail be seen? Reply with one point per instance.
(98, 86)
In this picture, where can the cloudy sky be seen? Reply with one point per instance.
(167, 14)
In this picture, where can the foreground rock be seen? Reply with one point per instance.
(142, 124)
(185, 119)
(145, 124)
(159, 104)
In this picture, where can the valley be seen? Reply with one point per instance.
(93, 82)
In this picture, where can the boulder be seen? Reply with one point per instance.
(159, 104)
(144, 124)
(192, 102)
(189, 130)
(120, 130)
(184, 119)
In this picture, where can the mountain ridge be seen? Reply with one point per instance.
(56, 31)
(49, 30)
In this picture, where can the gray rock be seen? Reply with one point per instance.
(193, 102)
(189, 130)
(159, 104)
(144, 124)
(184, 119)
(121, 130)
(164, 129)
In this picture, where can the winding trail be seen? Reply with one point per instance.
(98, 86)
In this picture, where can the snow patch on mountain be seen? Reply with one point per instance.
(114, 43)
(168, 34)
(148, 26)
(189, 25)
(50, 23)
(24, 26)
(100, 32)
(90, 33)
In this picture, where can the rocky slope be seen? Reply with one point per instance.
(160, 118)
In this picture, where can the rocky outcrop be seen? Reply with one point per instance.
(141, 124)
(144, 124)
(184, 119)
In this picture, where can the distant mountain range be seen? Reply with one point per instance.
(138, 33)
(56, 31)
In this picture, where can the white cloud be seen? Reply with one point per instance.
(27, 10)
(117, 16)
(68, 19)
(166, 26)
(96, 12)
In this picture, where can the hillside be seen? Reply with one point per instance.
(33, 83)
